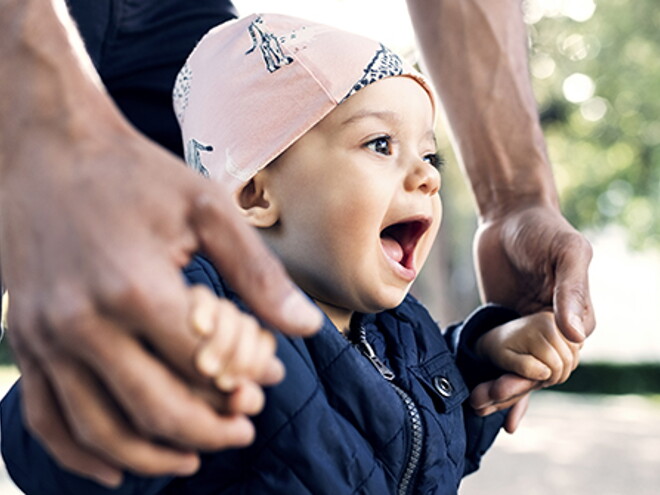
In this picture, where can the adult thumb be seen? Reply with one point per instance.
(574, 311)
(251, 269)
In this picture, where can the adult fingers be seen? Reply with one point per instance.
(574, 311)
(97, 425)
(45, 420)
(493, 395)
(154, 309)
(157, 401)
(251, 269)
(515, 415)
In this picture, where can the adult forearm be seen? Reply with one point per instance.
(48, 82)
(475, 52)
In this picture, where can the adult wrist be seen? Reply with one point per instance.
(503, 202)
(510, 180)
(51, 89)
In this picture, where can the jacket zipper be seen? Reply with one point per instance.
(414, 417)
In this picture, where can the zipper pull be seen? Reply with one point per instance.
(370, 354)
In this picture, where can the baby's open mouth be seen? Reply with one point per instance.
(400, 239)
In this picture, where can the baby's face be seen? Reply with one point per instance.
(358, 199)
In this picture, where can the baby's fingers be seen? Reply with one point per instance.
(236, 349)
(248, 398)
(569, 354)
(204, 310)
(548, 345)
(217, 348)
(561, 355)
(525, 365)
(252, 359)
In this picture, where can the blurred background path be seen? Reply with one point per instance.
(576, 445)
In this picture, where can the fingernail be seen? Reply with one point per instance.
(225, 383)
(301, 312)
(208, 362)
(576, 322)
(202, 320)
(274, 372)
(545, 373)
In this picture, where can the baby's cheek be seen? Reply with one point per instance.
(423, 253)
(437, 212)
(427, 241)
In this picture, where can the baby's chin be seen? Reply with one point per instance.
(386, 303)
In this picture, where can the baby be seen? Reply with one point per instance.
(327, 141)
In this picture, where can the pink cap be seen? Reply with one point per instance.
(254, 86)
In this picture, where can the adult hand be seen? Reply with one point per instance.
(93, 233)
(95, 224)
(527, 256)
(530, 259)
(508, 391)
(519, 346)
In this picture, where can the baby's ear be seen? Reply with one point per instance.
(255, 203)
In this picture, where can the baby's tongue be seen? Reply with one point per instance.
(392, 248)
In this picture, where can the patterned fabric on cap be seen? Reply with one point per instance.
(254, 86)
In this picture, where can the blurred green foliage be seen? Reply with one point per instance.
(5, 353)
(597, 81)
(612, 378)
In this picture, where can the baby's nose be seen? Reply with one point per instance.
(424, 177)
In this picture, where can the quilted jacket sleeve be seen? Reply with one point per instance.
(462, 339)
(480, 431)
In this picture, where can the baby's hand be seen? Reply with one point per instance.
(533, 347)
(235, 352)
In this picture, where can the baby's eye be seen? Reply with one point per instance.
(435, 160)
(382, 145)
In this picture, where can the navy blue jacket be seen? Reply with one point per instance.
(339, 423)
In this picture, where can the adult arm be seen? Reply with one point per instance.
(95, 224)
(527, 255)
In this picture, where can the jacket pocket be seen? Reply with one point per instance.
(442, 381)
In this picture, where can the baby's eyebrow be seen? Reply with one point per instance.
(383, 115)
(389, 117)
